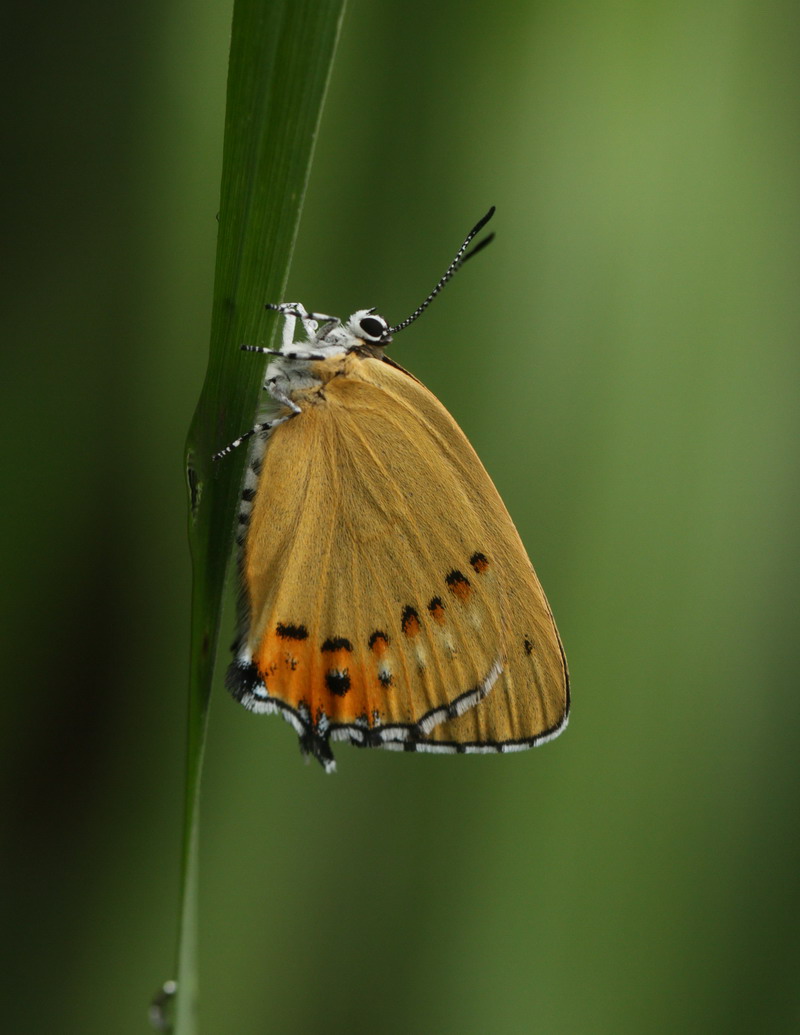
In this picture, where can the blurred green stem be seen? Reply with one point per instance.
(280, 60)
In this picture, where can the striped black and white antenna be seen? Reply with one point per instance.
(461, 257)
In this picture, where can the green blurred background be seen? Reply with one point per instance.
(624, 358)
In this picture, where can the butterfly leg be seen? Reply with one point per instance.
(268, 425)
(300, 353)
(292, 311)
(316, 325)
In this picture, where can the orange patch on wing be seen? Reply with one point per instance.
(410, 622)
(436, 608)
(379, 643)
(297, 671)
(480, 562)
(458, 585)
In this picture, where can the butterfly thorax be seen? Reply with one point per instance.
(302, 370)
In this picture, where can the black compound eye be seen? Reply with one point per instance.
(373, 326)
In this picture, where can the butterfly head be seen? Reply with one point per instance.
(367, 328)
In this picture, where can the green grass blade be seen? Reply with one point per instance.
(280, 61)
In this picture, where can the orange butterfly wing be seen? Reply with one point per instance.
(389, 600)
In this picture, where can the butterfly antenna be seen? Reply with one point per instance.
(461, 257)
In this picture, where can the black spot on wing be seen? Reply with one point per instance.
(479, 562)
(410, 621)
(291, 632)
(458, 584)
(337, 682)
(337, 643)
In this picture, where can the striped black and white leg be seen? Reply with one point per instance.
(264, 425)
(311, 321)
(298, 353)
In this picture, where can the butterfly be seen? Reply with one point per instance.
(386, 598)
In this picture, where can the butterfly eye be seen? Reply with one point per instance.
(373, 327)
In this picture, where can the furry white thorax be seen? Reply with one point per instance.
(325, 337)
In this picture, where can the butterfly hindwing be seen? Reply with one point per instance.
(390, 601)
